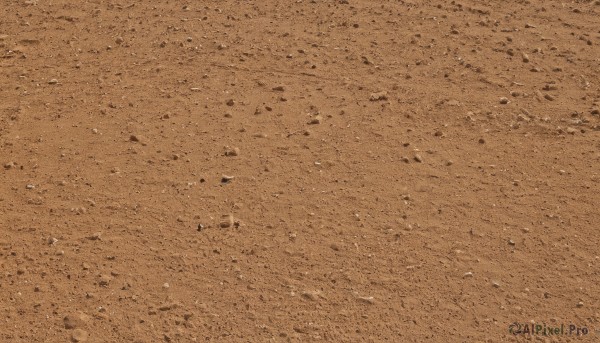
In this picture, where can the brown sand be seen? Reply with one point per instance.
(402, 171)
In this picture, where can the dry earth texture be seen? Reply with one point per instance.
(298, 171)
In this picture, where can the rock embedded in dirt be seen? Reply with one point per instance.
(104, 280)
(226, 221)
(134, 138)
(504, 100)
(75, 321)
(367, 300)
(226, 178)
(383, 95)
(79, 335)
(279, 88)
(232, 151)
(230, 102)
(316, 120)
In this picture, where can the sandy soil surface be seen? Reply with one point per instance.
(298, 171)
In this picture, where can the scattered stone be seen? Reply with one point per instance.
(449, 162)
(511, 242)
(95, 237)
(52, 240)
(504, 100)
(104, 280)
(200, 227)
(166, 285)
(316, 120)
(134, 138)
(119, 40)
(367, 300)
(279, 88)
(571, 130)
(312, 295)
(481, 141)
(75, 321)
(226, 178)
(525, 230)
(230, 102)
(168, 307)
(438, 133)
(418, 158)
(548, 97)
(30, 186)
(53, 82)
(378, 96)
(580, 304)
(468, 274)
(79, 335)
(95, 131)
(9, 165)
(496, 284)
(226, 221)
(525, 58)
(232, 151)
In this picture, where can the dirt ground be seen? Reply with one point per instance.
(299, 171)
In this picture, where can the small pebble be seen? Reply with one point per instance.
(279, 88)
(230, 102)
(316, 120)
(79, 335)
(504, 101)
(104, 280)
(418, 158)
(53, 82)
(232, 151)
(468, 274)
(367, 300)
(496, 284)
(378, 96)
(226, 221)
(226, 178)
